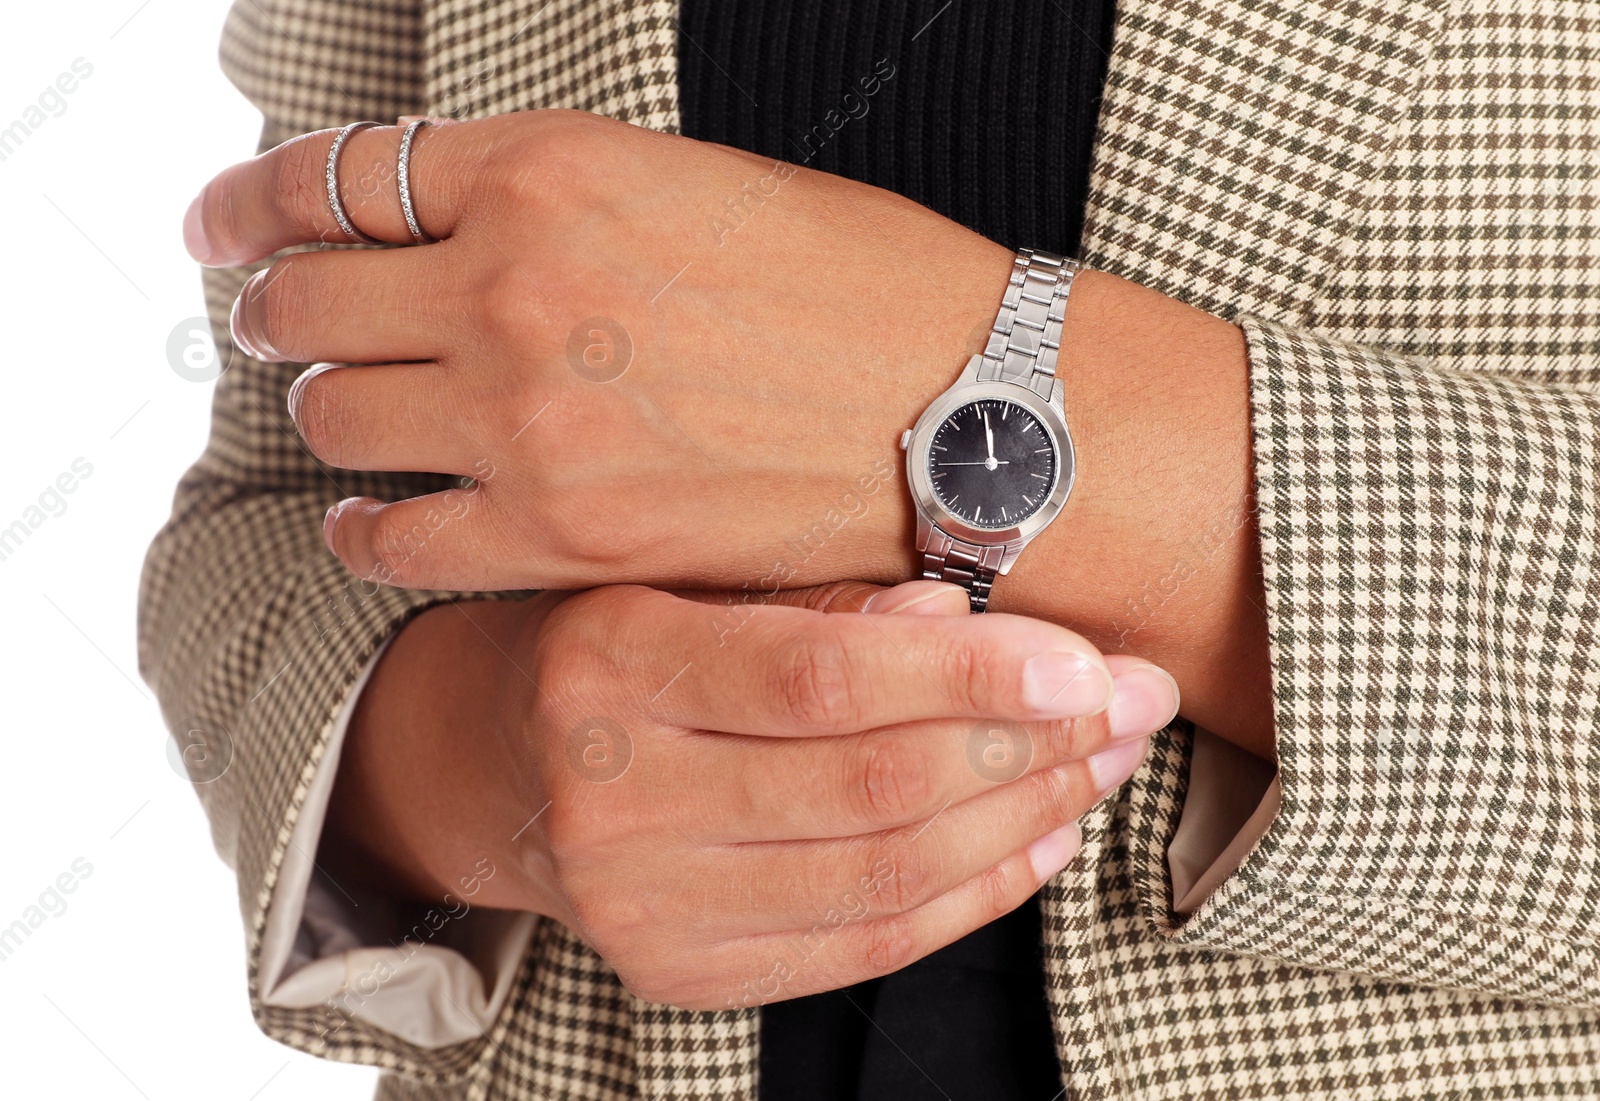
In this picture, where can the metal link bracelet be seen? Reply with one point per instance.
(1023, 348)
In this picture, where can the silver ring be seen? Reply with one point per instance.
(334, 202)
(404, 174)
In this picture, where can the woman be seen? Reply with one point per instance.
(1329, 377)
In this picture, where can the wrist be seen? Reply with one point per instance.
(430, 780)
(950, 303)
(1157, 552)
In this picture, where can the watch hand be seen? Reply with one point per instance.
(980, 462)
(988, 434)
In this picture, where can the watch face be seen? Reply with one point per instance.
(992, 464)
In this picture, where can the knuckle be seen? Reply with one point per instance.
(509, 306)
(996, 890)
(397, 545)
(574, 539)
(970, 670)
(328, 422)
(1063, 739)
(812, 681)
(571, 669)
(298, 183)
(515, 174)
(610, 904)
(567, 837)
(888, 944)
(550, 157)
(588, 852)
(890, 783)
(913, 883)
(281, 303)
(582, 663)
(1053, 799)
(554, 664)
(660, 974)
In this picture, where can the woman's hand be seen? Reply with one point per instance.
(737, 803)
(665, 361)
(781, 328)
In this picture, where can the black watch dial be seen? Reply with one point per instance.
(992, 464)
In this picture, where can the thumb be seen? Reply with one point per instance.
(910, 598)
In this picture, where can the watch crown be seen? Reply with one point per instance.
(905, 439)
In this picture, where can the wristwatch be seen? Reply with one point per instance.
(990, 461)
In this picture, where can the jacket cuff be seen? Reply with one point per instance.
(1400, 849)
(328, 639)
(433, 975)
(1231, 798)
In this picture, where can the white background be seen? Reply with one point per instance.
(137, 988)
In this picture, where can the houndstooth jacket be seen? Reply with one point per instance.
(1399, 201)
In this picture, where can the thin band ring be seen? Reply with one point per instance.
(334, 202)
(404, 174)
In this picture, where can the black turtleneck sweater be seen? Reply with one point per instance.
(983, 110)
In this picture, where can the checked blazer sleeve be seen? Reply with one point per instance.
(1429, 547)
(1403, 220)
(251, 633)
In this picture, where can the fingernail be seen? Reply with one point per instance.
(327, 526)
(194, 232)
(1110, 767)
(1145, 700)
(239, 325)
(297, 389)
(239, 322)
(918, 598)
(236, 326)
(1065, 685)
(1054, 850)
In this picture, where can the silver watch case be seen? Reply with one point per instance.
(930, 513)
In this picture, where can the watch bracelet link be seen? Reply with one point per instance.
(1025, 340)
(972, 567)
(1023, 348)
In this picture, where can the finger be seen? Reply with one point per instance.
(477, 553)
(789, 884)
(909, 598)
(847, 944)
(280, 198)
(403, 544)
(791, 672)
(394, 416)
(919, 598)
(1146, 698)
(791, 789)
(349, 307)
